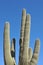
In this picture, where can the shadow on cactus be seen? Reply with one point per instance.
(26, 57)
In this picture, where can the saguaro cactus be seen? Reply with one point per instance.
(25, 54)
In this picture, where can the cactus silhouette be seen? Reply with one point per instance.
(26, 57)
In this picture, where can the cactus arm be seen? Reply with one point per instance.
(35, 53)
(30, 54)
(26, 39)
(23, 23)
(7, 54)
(13, 48)
(6, 39)
(22, 35)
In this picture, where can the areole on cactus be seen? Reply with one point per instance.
(26, 57)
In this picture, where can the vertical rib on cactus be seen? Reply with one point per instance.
(22, 35)
(7, 54)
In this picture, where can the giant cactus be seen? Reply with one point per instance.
(25, 54)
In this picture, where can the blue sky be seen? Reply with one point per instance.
(11, 10)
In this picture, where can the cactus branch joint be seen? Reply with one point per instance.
(26, 57)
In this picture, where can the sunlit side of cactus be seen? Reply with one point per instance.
(8, 51)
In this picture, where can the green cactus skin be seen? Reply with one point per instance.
(26, 57)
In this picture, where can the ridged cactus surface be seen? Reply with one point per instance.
(26, 57)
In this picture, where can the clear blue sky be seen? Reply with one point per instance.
(11, 10)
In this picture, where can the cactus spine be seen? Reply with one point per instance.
(25, 54)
